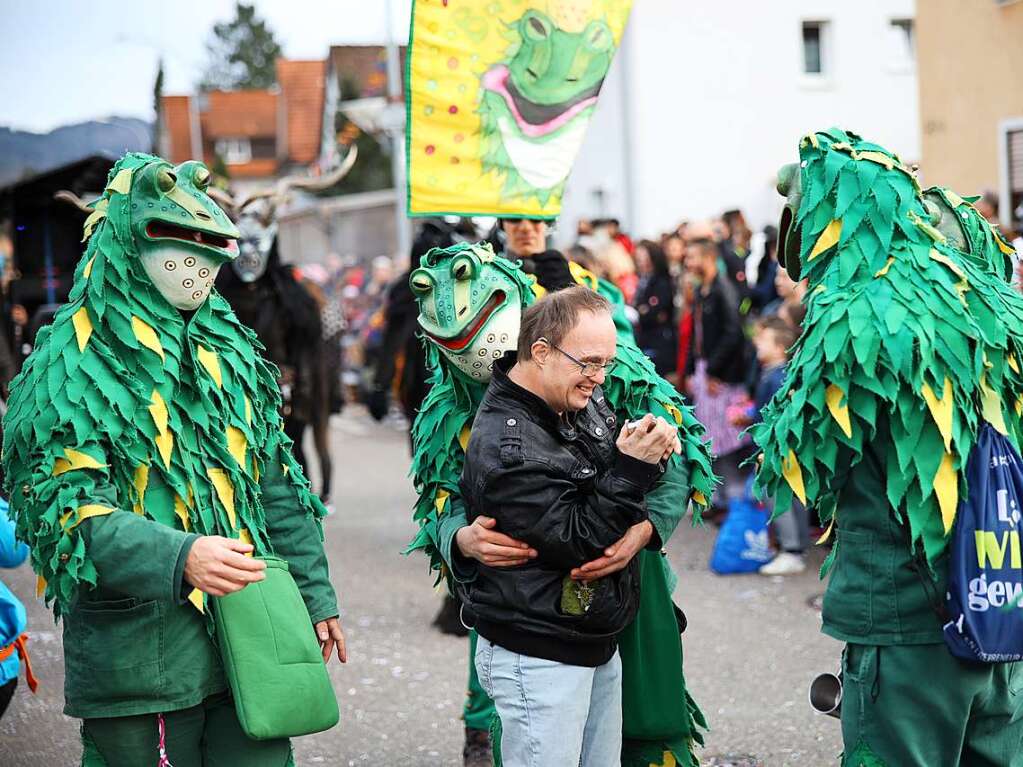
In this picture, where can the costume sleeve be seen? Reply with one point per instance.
(462, 568)
(568, 523)
(666, 503)
(293, 523)
(68, 511)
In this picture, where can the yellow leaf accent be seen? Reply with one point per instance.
(793, 474)
(946, 488)
(146, 336)
(829, 237)
(1011, 360)
(181, 510)
(463, 437)
(583, 276)
(1005, 247)
(668, 761)
(83, 327)
(1019, 405)
(237, 444)
(954, 199)
(839, 411)
(158, 410)
(74, 460)
(699, 498)
(195, 597)
(539, 291)
(673, 411)
(991, 407)
(93, 219)
(887, 265)
(209, 361)
(83, 513)
(248, 410)
(879, 157)
(88, 268)
(225, 492)
(40, 586)
(441, 500)
(827, 533)
(941, 258)
(141, 482)
(121, 183)
(165, 444)
(941, 410)
(285, 468)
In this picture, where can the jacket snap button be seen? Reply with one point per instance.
(598, 431)
(65, 557)
(26, 489)
(511, 422)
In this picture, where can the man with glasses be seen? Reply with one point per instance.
(543, 461)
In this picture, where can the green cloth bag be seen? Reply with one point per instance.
(272, 658)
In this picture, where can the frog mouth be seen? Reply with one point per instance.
(536, 120)
(161, 230)
(460, 341)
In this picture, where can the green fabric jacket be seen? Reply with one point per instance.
(135, 644)
(878, 593)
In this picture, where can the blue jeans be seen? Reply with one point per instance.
(553, 714)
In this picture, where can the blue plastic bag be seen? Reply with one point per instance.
(985, 578)
(743, 545)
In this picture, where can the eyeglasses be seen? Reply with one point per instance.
(588, 369)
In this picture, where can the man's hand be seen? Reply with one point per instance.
(618, 555)
(218, 565)
(481, 542)
(330, 635)
(650, 439)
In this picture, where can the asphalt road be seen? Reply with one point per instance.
(752, 646)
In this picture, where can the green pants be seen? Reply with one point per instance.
(918, 706)
(479, 709)
(207, 735)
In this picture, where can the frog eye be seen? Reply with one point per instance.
(165, 180)
(535, 26)
(420, 282)
(463, 268)
(597, 37)
(201, 177)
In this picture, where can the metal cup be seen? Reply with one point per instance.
(826, 695)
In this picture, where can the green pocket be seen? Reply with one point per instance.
(847, 600)
(114, 652)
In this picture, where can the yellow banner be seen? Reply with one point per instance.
(500, 93)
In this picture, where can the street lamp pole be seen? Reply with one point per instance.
(397, 130)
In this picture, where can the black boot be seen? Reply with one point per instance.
(448, 620)
(476, 752)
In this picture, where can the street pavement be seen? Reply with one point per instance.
(752, 646)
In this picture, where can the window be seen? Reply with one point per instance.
(234, 151)
(1012, 170)
(815, 40)
(902, 44)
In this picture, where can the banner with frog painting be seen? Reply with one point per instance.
(500, 93)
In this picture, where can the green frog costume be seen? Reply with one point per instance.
(470, 306)
(913, 338)
(144, 418)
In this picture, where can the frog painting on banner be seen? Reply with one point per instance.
(499, 98)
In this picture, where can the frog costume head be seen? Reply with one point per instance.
(470, 306)
(536, 105)
(183, 236)
(910, 320)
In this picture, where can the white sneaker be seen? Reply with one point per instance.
(785, 563)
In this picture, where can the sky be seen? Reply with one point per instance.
(66, 61)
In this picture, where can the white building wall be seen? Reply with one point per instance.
(717, 101)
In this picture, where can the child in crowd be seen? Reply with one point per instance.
(773, 338)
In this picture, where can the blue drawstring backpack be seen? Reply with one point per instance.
(985, 577)
(743, 545)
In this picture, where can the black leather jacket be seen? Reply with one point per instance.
(562, 487)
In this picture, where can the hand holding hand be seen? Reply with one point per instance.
(218, 565)
(651, 439)
(481, 542)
